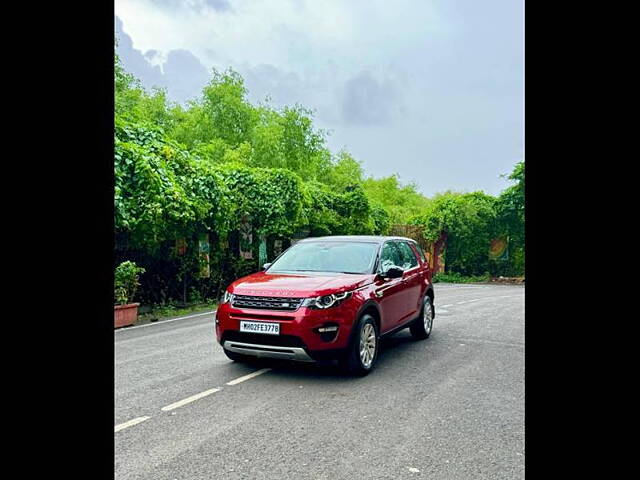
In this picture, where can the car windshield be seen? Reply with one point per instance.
(340, 257)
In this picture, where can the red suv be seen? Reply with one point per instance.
(329, 298)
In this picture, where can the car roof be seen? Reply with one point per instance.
(356, 238)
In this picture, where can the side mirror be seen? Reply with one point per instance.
(393, 272)
(266, 265)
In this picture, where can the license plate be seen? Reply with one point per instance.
(260, 327)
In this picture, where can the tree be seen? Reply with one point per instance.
(510, 218)
(402, 202)
(468, 219)
(345, 171)
(222, 112)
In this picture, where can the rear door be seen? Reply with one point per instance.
(424, 261)
(390, 292)
(412, 282)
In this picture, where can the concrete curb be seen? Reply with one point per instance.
(168, 320)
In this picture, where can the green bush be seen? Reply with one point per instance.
(126, 281)
(468, 219)
(454, 277)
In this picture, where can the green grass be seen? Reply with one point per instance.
(453, 277)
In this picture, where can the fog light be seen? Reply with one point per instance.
(327, 332)
(327, 329)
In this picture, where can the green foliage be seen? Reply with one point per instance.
(271, 198)
(126, 281)
(381, 220)
(468, 219)
(454, 277)
(299, 147)
(161, 191)
(327, 212)
(510, 213)
(402, 202)
(472, 220)
(344, 172)
(127, 90)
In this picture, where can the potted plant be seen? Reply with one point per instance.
(126, 283)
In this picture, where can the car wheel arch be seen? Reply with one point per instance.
(369, 307)
(430, 294)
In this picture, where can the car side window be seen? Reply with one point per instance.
(409, 259)
(390, 256)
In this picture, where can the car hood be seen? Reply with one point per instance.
(290, 285)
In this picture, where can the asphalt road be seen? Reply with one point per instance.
(449, 407)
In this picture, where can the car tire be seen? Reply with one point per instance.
(362, 352)
(423, 325)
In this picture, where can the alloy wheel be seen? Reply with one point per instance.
(368, 345)
(427, 317)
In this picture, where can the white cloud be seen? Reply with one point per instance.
(285, 33)
(405, 83)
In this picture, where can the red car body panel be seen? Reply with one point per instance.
(397, 301)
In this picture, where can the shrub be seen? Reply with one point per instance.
(454, 277)
(126, 281)
(469, 221)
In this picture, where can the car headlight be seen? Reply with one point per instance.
(227, 297)
(326, 301)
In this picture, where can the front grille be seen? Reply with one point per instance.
(266, 303)
(261, 339)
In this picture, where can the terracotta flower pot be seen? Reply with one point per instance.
(125, 315)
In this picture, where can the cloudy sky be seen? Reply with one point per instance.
(431, 90)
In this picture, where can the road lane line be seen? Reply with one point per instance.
(160, 322)
(130, 423)
(448, 305)
(247, 377)
(190, 399)
(491, 342)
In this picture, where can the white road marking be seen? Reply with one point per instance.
(164, 321)
(130, 423)
(439, 310)
(193, 398)
(247, 377)
(475, 300)
(493, 342)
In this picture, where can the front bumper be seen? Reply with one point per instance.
(268, 351)
(299, 338)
